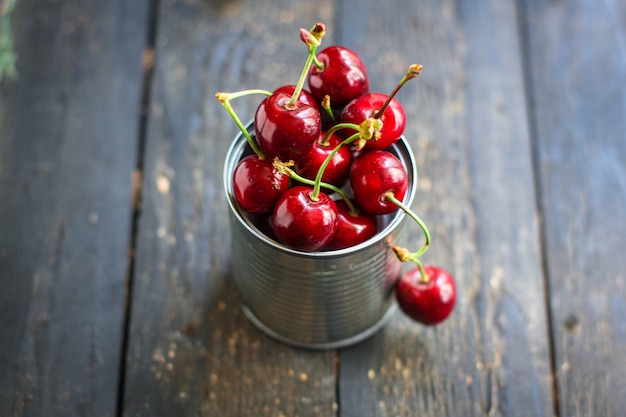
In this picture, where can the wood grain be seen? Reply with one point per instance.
(517, 123)
(577, 65)
(68, 132)
(467, 121)
(192, 352)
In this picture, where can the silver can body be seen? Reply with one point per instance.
(316, 300)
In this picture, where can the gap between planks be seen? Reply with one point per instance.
(148, 60)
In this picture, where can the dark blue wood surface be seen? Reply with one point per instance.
(116, 293)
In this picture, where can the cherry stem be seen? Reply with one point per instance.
(336, 128)
(285, 169)
(225, 98)
(318, 64)
(327, 108)
(366, 131)
(329, 157)
(412, 256)
(312, 41)
(404, 255)
(231, 96)
(424, 278)
(413, 72)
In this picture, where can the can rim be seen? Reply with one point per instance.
(233, 156)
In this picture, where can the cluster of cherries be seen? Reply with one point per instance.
(337, 137)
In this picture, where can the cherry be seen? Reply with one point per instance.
(384, 107)
(339, 73)
(303, 220)
(353, 227)
(284, 130)
(285, 126)
(305, 96)
(426, 294)
(257, 184)
(366, 106)
(373, 177)
(337, 170)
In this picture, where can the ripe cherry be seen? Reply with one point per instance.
(305, 96)
(427, 294)
(337, 170)
(373, 176)
(257, 184)
(384, 107)
(286, 130)
(285, 126)
(353, 227)
(366, 106)
(339, 73)
(304, 221)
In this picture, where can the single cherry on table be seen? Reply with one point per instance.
(427, 294)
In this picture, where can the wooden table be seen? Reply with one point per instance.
(116, 294)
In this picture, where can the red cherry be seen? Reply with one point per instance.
(352, 229)
(286, 131)
(336, 172)
(305, 96)
(372, 176)
(366, 106)
(303, 223)
(343, 76)
(428, 301)
(257, 184)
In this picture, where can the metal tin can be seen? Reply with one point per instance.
(316, 300)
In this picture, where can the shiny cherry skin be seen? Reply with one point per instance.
(366, 106)
(257, 184)
(374, 174)
(343, 76)
(427, 301)
(285, 131)
(352, 229)
(337, 170)
(302, 223)
(305, 96)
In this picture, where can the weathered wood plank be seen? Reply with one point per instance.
(577, 71)
(468, 124)
(68, 131)
(192, 352)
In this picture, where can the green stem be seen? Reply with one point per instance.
(303, 75)
(390, 197)
(424, 276)
(320, 172)
(413, 72)
(328, 109)
(243, 129)
(294, 175)
(318, 64)
(242, 93)
(338, 127)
